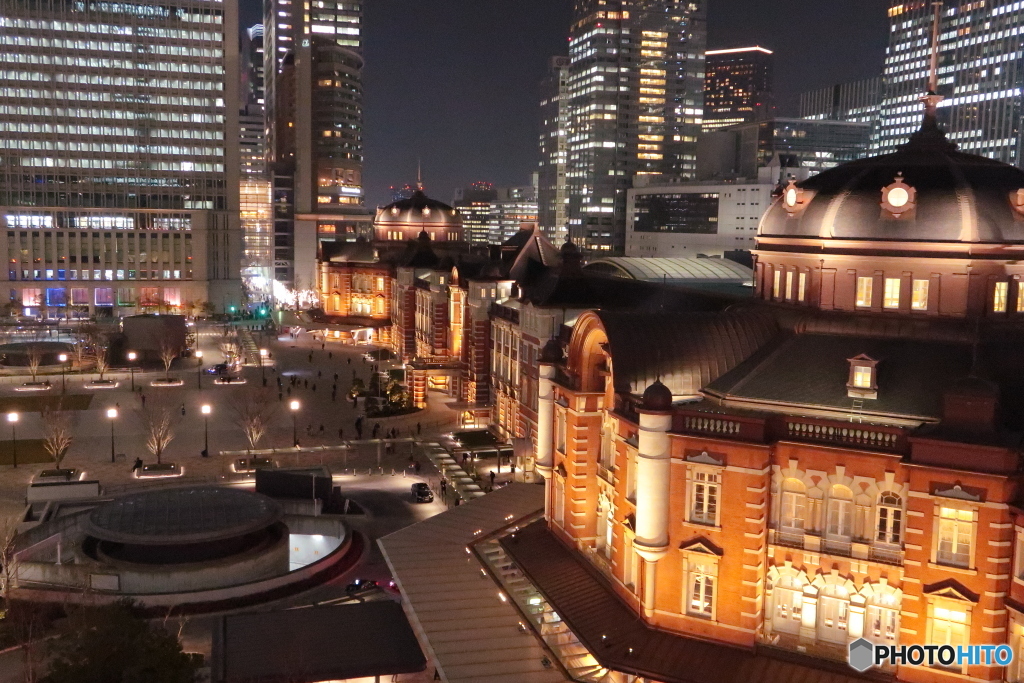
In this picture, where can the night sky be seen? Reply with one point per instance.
(454, 82)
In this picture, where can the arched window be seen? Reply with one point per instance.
(890, 518)
(833, 613)
(788, 604)
(882, 625)
(794, 505)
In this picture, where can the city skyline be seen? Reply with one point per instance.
(482, 123)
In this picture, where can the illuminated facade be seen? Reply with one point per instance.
(831, 462)
(981, 75)
(313, 58)
(119, 157)
(635, 106)
(737, 86)
(254, 184)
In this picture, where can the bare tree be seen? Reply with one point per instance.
(158, 421)
(99, 356)
(8, 530)
(253, 412)
(58, 432)
(229, 347)
(34, 355)
(168, 352)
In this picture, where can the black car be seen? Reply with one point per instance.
(421, 493)
(219, 369)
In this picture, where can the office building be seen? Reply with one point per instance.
(814, 146)
(737, 86)
(314, 110)
(119, 157)
(254, 181)
(980, 75)
(856, 101)
(492, 215)
(690, 220)
(552, 190)
(635, 99)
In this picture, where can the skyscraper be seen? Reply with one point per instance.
(737, 86)
(254, 183)
(552, 193)
(119, 156)
(981, 75)
(636, 99)
(314, 115)
(492, 215)
(856, 101)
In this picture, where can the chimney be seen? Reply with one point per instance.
(971, 405)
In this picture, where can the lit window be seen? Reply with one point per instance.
(890, 518)
(999, 297)
(864, 287)
(919, 301)
(789, 285)
(840, 513)
(956, 532)
(793, 503)
(892, 293)
(862, 376)
(777, 284)
(704, 497)
(801, 289)
(701, 580)
(949, 625)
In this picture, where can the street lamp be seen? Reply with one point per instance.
(263, 371)
(12, 417)
(112, 414)
(205, 410)
(63, 358)
(131, 359)
(199, 370)
(294, 405)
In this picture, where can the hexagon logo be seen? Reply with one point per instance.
(862, 655)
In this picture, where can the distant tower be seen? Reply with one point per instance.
(553, 191)
(737, 86)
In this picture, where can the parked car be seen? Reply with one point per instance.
(219, 369)
(360, 585)
(421, 493)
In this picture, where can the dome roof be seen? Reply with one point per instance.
(926, 191)
(419, 213)
(658, 397)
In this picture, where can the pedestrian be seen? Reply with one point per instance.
(330, 354)
(419, 428)
(350, 361)
(305, 383)
(143, 397)
(464, 456)
(310, 356)
(280, 396)
(335, 378)
(323, 346)
(137, 467)
(444, 487)
(264, 381)
(319, 374)
(289, 391)
(341, 433)
(416, 466)
(117, 405)
(492, 478)
(321, 429)
(183, 410)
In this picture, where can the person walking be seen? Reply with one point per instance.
(341, 433)
(137, 467)
(492, 478)
(419, 428)
(143, 397)
(183, 410)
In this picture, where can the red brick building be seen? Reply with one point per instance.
(836, 460)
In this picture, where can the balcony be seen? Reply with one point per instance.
(886, 555)
(875, 437)
(606, 473)
(789, 539)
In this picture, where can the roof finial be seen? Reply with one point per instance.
(419, 175)
(932, 98)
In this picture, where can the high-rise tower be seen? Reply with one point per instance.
(737, 86)
(981, 75)
(119, 156)
(636, 79)
(314, 122)
(552, 193)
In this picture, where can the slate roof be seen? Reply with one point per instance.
(591, 608)
(812, 370)
(673, 270)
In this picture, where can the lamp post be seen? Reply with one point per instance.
(63, 358)
(263, 371)
(199, 370)
(112, 414)
(131, 359)
(12, 417)
(205, 410)
(294, 405)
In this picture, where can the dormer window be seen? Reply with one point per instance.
(863, 381)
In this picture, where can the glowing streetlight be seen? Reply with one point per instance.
(199, 370)
(294, 405)
(112, 414)
(263, 372)
(205, 409)
(12, 417)
(131, 359)
(63, 358)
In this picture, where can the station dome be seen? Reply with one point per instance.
(407, 218)
(925, 192)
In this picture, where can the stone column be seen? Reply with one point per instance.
(418, 385)
(652, 497)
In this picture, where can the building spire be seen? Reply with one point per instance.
(419, 175)
(932, 98)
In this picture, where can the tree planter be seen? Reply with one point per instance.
(59, 476)
(102, 384)
(34, 386)
(173, 382)
(161, 471)
(229, 380)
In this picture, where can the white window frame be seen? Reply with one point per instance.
(1018, 555)
(776, 284)
(891, 298)
(701, 575)
(1000, 297)
(863, 376)
(789, 285)
(865, 291)
(704, 491)
(919, 295)
(793, 508)
(945, 618)
(963, 525)
(801, 288)
(839, 520)
(889, 519)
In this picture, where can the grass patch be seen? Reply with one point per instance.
(30, 451)
(36, 404)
